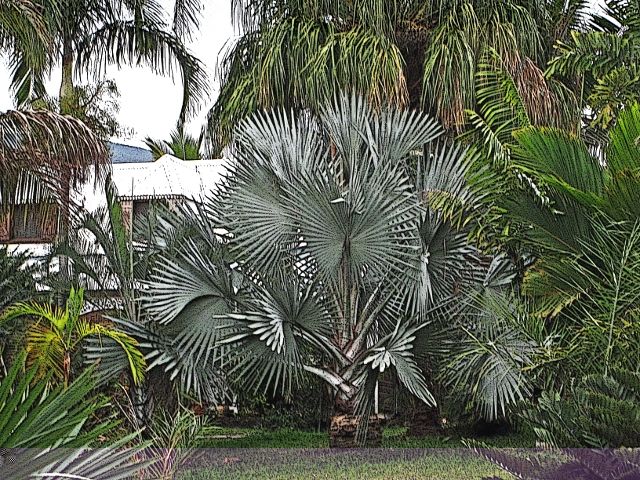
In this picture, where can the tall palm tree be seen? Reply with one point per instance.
(25, 35)
(297, 53)
(110, 255)
(337, 256)
(181, 145)
(86, 36)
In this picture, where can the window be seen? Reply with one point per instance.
(140, 209)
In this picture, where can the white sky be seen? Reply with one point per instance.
(149, 103)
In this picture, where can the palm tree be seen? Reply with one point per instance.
(57, 333)
(109, 255)
(25, 36)
(299, 53)
(181, 145)
(44, 155)
(86, 36)
(104, 254)
(339, 258)
(574, 210)
(602, 63)
(45, 152)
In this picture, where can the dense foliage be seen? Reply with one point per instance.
(497, 276)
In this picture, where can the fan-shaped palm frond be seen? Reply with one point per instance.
(322, 218)
(490, 357)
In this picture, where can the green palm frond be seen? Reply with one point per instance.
(561, 161)
(610, 295)
(622, 151)
(396, 351)
(180, 145)
(367, 225)
(16, 278)
(300, 61)
(464, 31)
(198, 277)
(584, 53)
(25, 34)
(43, 153)
(447, 261)
(141, 41)
(490, 358)
(200, 376)
(501, 109)
(598, 412)
(129, 346)
(56, 334)
(604, 62)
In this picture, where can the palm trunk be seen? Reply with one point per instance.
(64, 221)
(68, 100)
(425, 421)
(344, 425)
(68, 106)
(142, 408)
(66, 366)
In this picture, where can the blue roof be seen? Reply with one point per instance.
(127, 154)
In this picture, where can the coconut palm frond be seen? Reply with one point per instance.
(54, 150)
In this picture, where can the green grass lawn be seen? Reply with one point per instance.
(289, 454)
(380, 463)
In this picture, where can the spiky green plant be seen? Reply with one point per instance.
(57, 333)
(35, 418)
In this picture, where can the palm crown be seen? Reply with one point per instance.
(57, 333)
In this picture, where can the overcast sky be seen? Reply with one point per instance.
(149, 103)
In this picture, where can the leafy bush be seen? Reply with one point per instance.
(307, 408)
(175, 439)
(599, 411)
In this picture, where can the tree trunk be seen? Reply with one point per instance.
(66, 368)
(142, 408)
(68, 100)
(344, 426)
(343, 429)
